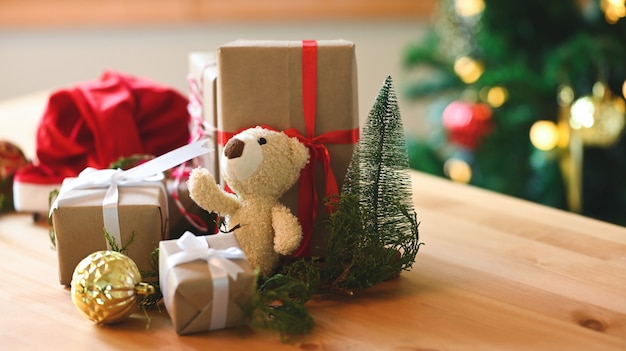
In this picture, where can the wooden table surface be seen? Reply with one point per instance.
(496, 273)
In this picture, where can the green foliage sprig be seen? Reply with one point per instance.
(115, 246)
(152, 277)
(129, 162)
(279, 305)
(149, 277)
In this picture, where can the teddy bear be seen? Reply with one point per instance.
(259, 165)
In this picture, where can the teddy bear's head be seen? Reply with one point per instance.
(259, 161)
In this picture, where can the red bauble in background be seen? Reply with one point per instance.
(11, 159)
(467, 123)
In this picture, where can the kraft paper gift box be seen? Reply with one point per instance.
(198, 294)
(203, 105)
(78, 223)
(307, 86)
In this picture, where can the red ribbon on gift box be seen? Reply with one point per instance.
(307, 196)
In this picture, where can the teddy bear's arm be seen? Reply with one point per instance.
(287, 230)
(204, 191)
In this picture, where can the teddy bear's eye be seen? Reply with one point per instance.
(262, 141)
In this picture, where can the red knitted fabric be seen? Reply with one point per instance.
(95, 123)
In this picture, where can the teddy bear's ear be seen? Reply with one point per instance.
(299, 153)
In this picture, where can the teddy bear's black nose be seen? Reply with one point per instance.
(233, 148)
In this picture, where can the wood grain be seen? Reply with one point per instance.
(496, 273)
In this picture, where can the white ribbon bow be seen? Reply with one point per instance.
(149, 173)
(220, 266)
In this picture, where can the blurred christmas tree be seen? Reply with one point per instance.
(526, 98)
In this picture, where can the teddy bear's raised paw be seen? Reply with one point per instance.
(205, 192)
(200, 181)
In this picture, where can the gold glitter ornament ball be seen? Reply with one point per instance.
(106, 286)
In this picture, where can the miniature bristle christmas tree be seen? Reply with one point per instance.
(378, 177)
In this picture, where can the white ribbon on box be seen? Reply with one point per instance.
(149, 173)
(220, 266)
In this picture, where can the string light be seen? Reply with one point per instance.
(469, 8)
(468, 69)
(544, 135)
(582, 112)
(613, 10)
(497, 96)
(599, 89)
(458, 170)
(565, 95)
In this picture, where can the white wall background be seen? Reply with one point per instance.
(33, 60)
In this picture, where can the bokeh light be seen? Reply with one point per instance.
(468, 69)
(582, 113)
(469, 8)
(458, 170)
(544, 135)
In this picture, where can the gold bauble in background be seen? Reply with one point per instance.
(599, 118)
(106, 286)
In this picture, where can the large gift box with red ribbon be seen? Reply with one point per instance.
(307, 89)
(206, 281)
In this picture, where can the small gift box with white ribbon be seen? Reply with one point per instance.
(131, 206)
(81, 217)
(206, 281)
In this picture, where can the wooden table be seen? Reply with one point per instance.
(496, 273)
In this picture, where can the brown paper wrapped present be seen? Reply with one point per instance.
(79, 221)
(206, 282)
(307, 89)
